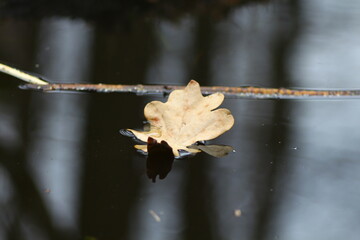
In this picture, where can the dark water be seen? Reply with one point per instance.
(67, 173)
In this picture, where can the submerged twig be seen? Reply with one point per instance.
(231, 92)
(36, 83)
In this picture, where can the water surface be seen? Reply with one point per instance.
(67, 173)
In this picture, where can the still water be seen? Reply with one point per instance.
(67, 173)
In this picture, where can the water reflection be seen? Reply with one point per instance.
(174, 45)
(246, 42)
(295, 172)
(174, 51)
(327, 52)
(54, 159)
(6, 197)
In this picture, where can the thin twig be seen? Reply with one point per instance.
(37, 83)
(22, 75)
(231, 92)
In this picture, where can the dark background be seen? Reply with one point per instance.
(67, 173)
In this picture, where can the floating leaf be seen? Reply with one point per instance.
(187, 117)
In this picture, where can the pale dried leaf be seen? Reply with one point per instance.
(186, 118)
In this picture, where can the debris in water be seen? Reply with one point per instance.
(155, 216)
(237, 212)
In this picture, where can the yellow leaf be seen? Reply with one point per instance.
(187, 117)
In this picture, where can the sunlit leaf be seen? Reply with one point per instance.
(187, 117)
